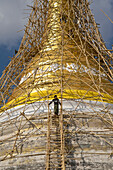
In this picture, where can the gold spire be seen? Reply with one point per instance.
(52, 37)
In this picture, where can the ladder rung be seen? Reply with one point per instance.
(53, 148)
(55, 160)
(56, 139)
(56, 134)
(54, 153)
(57, 142)
(55, 167)
(56, 157)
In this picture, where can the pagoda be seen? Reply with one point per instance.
(62, 53)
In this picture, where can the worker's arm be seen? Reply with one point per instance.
(51, 102)
(59, 102)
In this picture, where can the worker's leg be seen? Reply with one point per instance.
(56, 110)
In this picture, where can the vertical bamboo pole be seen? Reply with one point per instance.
(61, 113)
(48, 142)
(62, 136)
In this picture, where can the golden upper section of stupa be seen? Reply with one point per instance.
(69, 58)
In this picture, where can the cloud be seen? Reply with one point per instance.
(12, 20)
(106, 27)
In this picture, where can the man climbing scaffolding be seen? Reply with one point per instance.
(56, 104)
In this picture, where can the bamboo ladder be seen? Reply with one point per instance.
(55, 142)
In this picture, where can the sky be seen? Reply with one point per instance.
(13, 18)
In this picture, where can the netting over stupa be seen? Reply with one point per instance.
(62, 53)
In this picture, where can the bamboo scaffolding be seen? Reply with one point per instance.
(62, 53)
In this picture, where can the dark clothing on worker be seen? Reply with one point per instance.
(56, 105)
